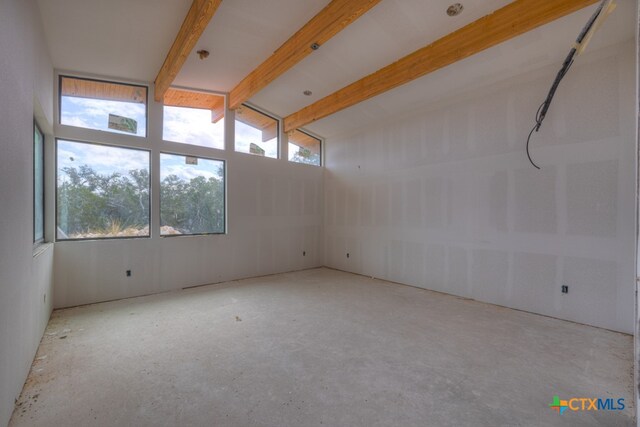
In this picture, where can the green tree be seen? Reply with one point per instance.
(89, 202)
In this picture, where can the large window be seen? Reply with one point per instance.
(102, 191)
(256, 132)
(38, 184)
(192, 195)
(95, 104)
(304, 148)
(194, 118)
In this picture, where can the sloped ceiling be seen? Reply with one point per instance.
(130, 39)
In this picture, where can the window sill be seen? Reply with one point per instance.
(41, 248)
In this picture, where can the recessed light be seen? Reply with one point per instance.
(307, 92)
(455, 9)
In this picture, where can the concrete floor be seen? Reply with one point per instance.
(318, 347)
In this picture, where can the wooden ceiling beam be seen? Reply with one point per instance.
(327, 23)
(506, 23)
(193, 26)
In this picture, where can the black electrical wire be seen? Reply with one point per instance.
(566, 65)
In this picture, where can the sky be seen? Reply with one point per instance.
(183, 125)
(94, 113)
(192, 126)
(106, 160)
(173, 164)
(103, 159)
(246, 134)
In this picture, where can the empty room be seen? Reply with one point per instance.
(318, 213)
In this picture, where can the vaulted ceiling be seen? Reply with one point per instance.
(131, 38)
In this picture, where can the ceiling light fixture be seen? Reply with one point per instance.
(203, 53)
(307, 92)
(455, 9)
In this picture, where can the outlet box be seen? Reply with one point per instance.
(565, 289)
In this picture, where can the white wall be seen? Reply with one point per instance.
(274, 214)
(26, 87)
(445, 198)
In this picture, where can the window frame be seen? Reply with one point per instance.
(124, 147)
(93, 79)
(38, 129)
(320, 151)
(278, 127)
(224, 194)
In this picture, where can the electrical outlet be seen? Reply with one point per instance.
(565, 289)
(347, 254)
(128, 273)
(304, 253)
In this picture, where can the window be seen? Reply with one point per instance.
(304, 148)
(38, 184)
(112, 107)
(102, 191)
(194, 118)
(192, 195)
(256, 132)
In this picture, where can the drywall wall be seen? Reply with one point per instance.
(445, 199)
(26, 87)
(274, 215)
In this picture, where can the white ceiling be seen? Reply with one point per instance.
(117, 38)
(240, 36)
(130, 39)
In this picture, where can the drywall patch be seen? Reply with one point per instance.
(458, 278)
(435, 267)
(591, 293)
(535, 200)
(534, 282)
(413, 202)
(592, 194)
(590, 101)
(489, 272)
(498, 196)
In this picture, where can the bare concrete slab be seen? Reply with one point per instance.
(319, 347)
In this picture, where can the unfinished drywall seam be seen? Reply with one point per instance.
(450, 187)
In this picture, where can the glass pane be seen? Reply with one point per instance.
(38, 185)
(102, 191)
(111, 107)
(191, 195)
(256, 133)
(304, 148)
(193, 126)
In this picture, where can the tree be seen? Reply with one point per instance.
(105, 204)
(89, 202)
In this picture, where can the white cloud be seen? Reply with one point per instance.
(94, 113)
(175, 165)
(245, 135)
(192, 126)
(101, 158)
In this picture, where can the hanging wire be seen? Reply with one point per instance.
(566, 65)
